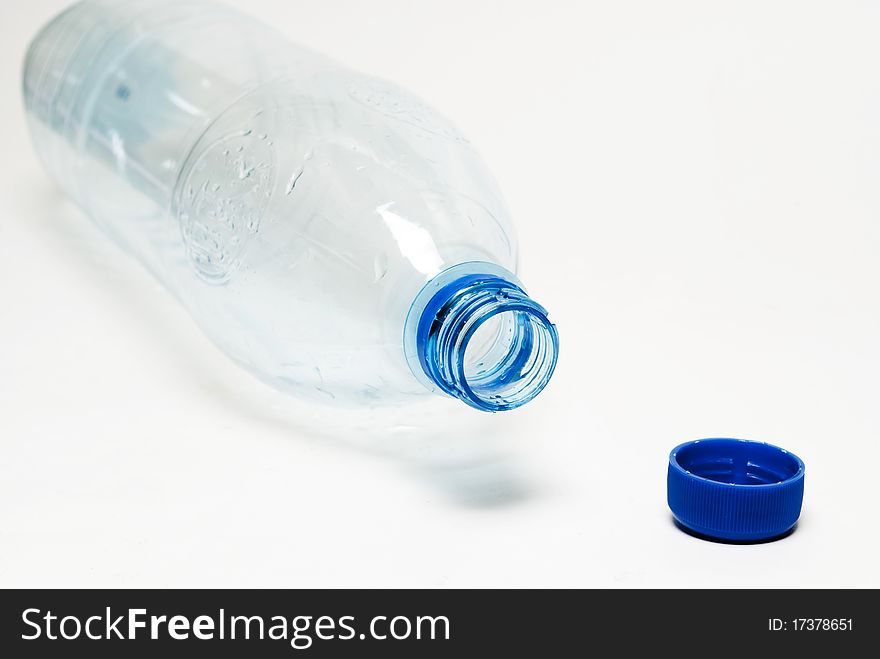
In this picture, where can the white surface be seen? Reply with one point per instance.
(697, 190)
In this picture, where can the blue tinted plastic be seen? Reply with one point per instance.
(515, 360)
(299, 210)
(733, 489)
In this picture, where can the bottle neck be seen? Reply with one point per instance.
(480, 338)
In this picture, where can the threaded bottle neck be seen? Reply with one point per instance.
(482, 339)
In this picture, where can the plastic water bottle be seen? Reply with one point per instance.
(328, 230)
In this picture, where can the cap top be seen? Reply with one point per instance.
(736, 461)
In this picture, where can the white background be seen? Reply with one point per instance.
(697, 189)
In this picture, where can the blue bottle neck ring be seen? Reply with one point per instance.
(483, 340)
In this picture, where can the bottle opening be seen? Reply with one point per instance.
(518, 363)
(481, 339)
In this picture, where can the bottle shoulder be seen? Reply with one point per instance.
(301, 158)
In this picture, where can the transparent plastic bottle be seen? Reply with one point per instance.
(328, 230)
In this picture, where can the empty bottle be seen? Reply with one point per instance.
(329, 231)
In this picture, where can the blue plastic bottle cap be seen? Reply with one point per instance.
(733, 489)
